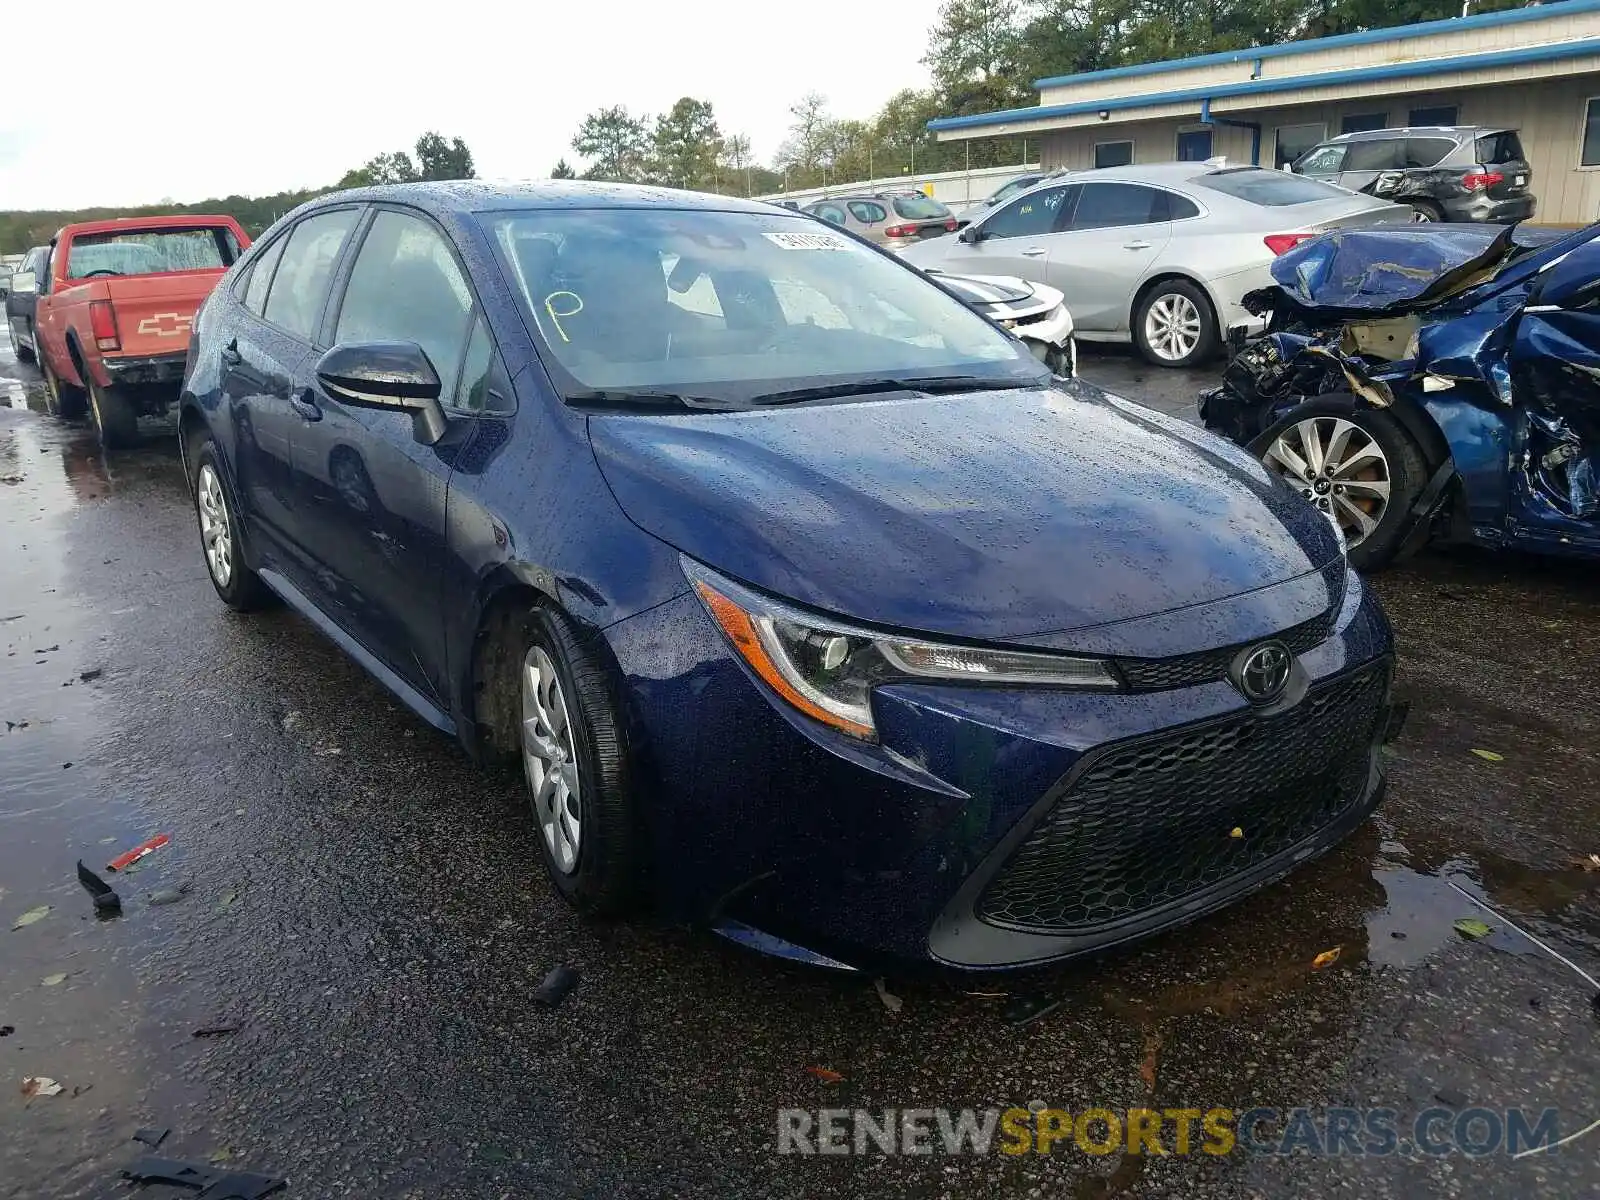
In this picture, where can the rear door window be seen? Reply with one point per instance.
(1274, 189)
(1382, 154)
(299, 287)
(1107, 205)
(1028, 216)
(867, 212)
(830, 213)
(1495, 148)
(1426, 151)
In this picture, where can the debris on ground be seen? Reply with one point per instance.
(210, 1183)
(890, 1001)
(39, 1085)
(1472, 927)
(1326, 959)
(1451, 1096)
(91, 675)
(10, 725)
(151, 1137)
(53, 980)
(1025, 1010)
(1588, 862)
(170, 895)
(826, 1074)
(1490, 756)
(1594, 997)
(123, 861)
(106, 901)
(217, 1031)
(32, 915)
(556, 986)
(7, 1030)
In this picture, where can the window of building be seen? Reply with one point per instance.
(1194, 145)
(1112, 154)
(1295, 140)
(1361, 122)
(1591, 134)
(1436, 114)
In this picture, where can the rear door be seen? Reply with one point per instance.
(1501, 154)
(279, 308)
(1364, 161)
(1114, 235)
(375, 513)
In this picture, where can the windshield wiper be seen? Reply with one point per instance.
(644, 398)
(926, 385)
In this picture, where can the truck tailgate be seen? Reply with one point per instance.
(154, 312)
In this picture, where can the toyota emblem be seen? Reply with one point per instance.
(1264, 673)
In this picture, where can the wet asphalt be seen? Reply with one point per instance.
(365, 909)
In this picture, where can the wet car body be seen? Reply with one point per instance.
(981, 821)
(1481, 343)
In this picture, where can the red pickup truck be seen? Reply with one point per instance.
(114, 310)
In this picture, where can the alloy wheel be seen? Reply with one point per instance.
(1340, 468)
(549, 756)
(216, 531)
(1172, 327)
(1421, 216)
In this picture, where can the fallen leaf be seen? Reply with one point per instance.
(53, 980)
(1326, 959)
(1236, 832)
(1589, 862)
(1147, 1067)
(40, 1085)
(1490, 756)
(1472, 927)
(227, 899)
(32, 915)
(220, 1155)
(890, 1001)
(825, 1074)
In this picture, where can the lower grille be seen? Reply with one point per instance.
(1148, 823)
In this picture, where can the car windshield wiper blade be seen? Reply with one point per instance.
(927, 384)
(644, 398)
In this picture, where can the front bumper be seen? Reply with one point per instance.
(151, 368)
(895, 849)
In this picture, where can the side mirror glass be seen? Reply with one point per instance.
(24, 283)
(390, 375)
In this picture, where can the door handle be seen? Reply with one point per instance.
(1136, 245)
(1034, 252)
(230, 354)
(304, 402)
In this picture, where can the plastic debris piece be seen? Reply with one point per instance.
(1490, 756)
(1472, 927)
(1025, 1010)
(123, 861)
(1451, 1096)
(211, 1184)
(106, 902)
(170, 895)
(1326, 959)
(151, 1137)
(32, 915)
(890, 1001)
(1588, 862)
(826, 1074)
(92, 675)
(40, 1085)
(214, 1031)
(53, 980)
(7, 1030)
(556, 986)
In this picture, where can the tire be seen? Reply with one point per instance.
(1426, 212)
(24, 354)
(237, 585)
(61, 400)
(1184, 309)
(600, 873)
(1407, 474)
(116, 419)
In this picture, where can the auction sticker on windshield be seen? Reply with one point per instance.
(807, 241)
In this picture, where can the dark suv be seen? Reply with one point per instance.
(1449, 173)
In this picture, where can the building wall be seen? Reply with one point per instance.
(1549, 114)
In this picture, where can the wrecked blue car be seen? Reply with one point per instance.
(1429, 383)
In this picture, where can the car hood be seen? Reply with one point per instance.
(994, 515)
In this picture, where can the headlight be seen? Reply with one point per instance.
(827, 669)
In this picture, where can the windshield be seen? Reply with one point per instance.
(734, 306)
(150, 251)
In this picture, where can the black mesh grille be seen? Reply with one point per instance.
(1150, 822)
(1186, 670)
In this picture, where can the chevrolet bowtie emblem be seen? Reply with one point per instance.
(166, 325)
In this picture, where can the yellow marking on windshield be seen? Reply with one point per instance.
(550, 307)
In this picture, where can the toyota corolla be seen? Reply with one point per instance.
(813, 605)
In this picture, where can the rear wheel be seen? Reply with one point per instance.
(1360, 468)
(116, 419)
(237, 585)
(1426, 212)
(1174, 325)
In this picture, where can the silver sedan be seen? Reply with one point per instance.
(1159, 255)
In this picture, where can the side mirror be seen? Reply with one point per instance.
(970, 234)
(390, 375)
(25, 283)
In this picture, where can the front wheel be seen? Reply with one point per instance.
(1361, 468)
(25, 353)
(1174, 325)
(1425, 212)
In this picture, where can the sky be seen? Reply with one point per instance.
(194, 100)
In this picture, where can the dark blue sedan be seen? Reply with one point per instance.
(813, 606)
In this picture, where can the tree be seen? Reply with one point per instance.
(384, 168)
(687, 145)
(562, 170)
(616, 143)
(737, 160)
(439, 159)
(802, 152)
(976, 41)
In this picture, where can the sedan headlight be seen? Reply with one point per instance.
(827, 669)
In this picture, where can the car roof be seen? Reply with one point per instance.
(164, 221)
(1169, 173)
(480, 195)
(1375, 135)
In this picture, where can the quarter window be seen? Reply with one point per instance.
(300, 285)
(1113, 154)
(255, 288)
(476, 371)
(1028, 216)
(406, 287)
